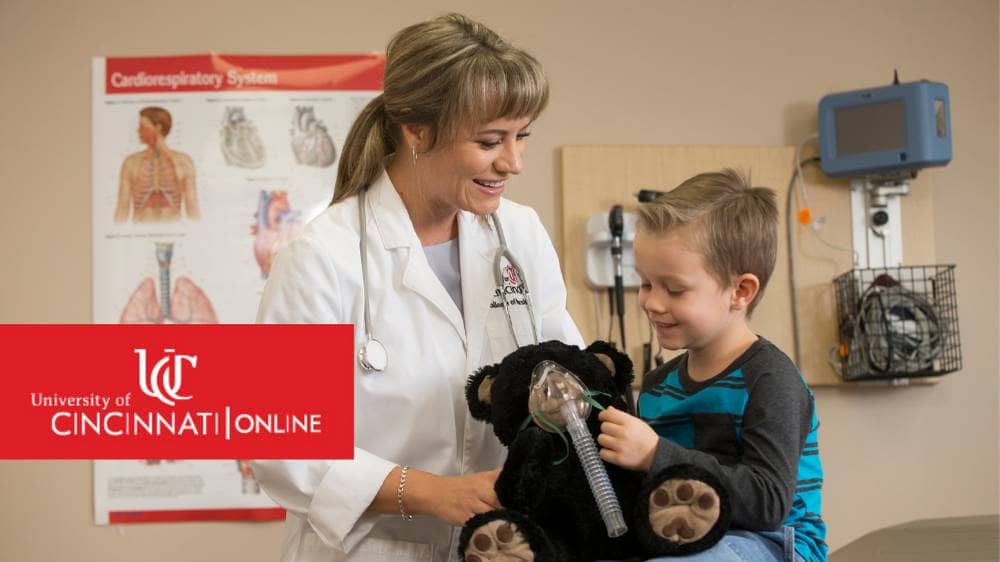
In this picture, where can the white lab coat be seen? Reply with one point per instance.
(415, 411)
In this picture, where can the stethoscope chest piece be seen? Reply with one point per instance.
(372, 356)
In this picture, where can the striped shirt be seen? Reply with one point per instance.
(753, 425)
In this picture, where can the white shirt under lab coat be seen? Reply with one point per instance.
(414, 412)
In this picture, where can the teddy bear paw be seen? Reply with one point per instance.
(683, 511)
(498, 541)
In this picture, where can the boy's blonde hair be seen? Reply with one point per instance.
(733, 225)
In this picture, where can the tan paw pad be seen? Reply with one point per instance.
(498, 541)
(683, 511)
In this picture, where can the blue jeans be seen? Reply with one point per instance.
(746, 546)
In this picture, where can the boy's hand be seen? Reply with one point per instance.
(626, 440)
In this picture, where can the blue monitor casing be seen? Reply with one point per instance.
(880, 131)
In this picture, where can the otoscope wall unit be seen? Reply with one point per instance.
(600, 268)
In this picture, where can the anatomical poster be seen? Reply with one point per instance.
(204, 166)
(157, 490)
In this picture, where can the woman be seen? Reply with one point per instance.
(427, 161)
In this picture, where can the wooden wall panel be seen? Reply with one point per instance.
(596, 177)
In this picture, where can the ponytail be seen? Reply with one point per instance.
(368, 143)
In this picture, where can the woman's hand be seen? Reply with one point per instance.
(626, 441)
(452, 499)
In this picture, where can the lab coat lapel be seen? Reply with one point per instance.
(477, 243)
(397, 233)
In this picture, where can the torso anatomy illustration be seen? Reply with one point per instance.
(241, 144)
(187, 305)
(311, 142)
(155, 184)
(276, 224)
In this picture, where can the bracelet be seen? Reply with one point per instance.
(399, 494)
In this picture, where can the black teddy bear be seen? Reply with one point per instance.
(550, 514)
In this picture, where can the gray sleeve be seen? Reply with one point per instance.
(761, 483)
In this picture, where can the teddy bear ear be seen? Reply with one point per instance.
(478, 392)
(617, 362)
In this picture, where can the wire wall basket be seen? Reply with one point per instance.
(898, 322)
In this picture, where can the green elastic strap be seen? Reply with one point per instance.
(588, 396)
(545, 420)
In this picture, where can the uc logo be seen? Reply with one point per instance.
(163, 383)
(512, 275)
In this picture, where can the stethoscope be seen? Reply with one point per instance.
(373, 355)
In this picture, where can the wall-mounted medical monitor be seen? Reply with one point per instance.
(898, 128)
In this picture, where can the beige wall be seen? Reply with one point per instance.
(657, 72)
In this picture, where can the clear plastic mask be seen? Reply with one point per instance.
(552, 385)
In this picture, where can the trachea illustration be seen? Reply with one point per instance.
(186, 304)
(164, 253)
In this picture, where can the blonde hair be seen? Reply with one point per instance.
(733, 225)
(448, 72)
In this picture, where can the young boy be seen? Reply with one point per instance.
(733, 403)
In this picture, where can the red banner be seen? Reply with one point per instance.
(177, 391)
(218, 73)
(174, 515)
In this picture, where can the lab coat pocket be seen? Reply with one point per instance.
(371, 549)
(393, 550)
(498, 327)
(498, 335)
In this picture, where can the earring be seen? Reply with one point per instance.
(413, 151)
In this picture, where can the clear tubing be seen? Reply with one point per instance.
(597, 477)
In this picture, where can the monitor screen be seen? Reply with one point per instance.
(871, 128)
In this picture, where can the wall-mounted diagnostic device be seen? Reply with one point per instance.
(895, 321)
(880, 138)
(892, 129)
